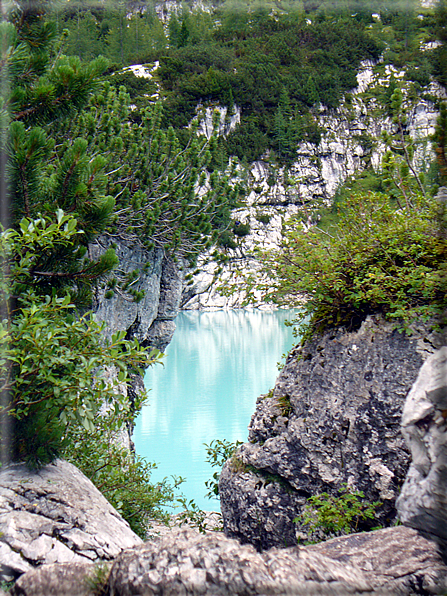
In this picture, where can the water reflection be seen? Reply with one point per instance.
(216, 366)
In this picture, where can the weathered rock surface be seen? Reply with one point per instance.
(333, 418)
(55, 515)
(422, 503)
(171, 286)
(59, 579)
(185, 563)
(394, 561)
(150, 321)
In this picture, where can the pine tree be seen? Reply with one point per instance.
(166, 195)
(45, 88)
(76, 145)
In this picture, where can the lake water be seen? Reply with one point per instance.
(216, 366)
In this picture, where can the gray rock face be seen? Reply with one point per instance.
(121, 313)
(55, 515)
(333, 418)
(422, 503)
(150, 321)
(58, 579)
(394, 561)
(171, 286)
(391, 562)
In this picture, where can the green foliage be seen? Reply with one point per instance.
(111, 29)
(218, 452)
(123, 478)
(192, 515)
(276, 70)
(164, 195)
(263, 217)
(338, 515)
(379, 259)
(400, 176)
(46, 87)
(440, 141)
(98, 580)
(276, 61)
(51, 356)
(285, 405)
(66, 383)
(241, 229)
(75, 143)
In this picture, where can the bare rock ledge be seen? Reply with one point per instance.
(56, 515)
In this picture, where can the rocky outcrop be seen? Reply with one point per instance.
(390, 562)
(422, 503)
(158, 277)
(226, 123)
(61, 579)
(396, 561)
(187, 563)
(55, 515)
(210, 282)
(332, 418)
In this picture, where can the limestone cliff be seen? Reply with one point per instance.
(332, 418)
(351, 141)
(150, 321)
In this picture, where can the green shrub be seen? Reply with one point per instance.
(218, 452)
(241, 229)
(263, 217)
(52, 356)
(61, 379)
(123, 477)
(338, 515)
(379, 259)
(226, 240)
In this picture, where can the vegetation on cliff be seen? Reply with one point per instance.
(78, 165)
(276, 61)
(379, 259)
(380, 252)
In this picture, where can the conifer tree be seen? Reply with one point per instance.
(46, 87)
(114, 170)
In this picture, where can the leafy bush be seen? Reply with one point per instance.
(123, 477)
(241, 229)
(52, 357)
(379, 259)
(218, 452)
(263, 217)
(65, 384)
(338, 515)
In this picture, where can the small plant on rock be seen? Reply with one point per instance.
(338, 515)
(218, 452)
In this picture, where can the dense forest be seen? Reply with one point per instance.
(277, 61)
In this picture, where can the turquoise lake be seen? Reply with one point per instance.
(216, 366)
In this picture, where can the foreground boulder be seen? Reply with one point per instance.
(393, 562)
(332, 418)
(422, 503)
(61, 579)
(55, 515)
